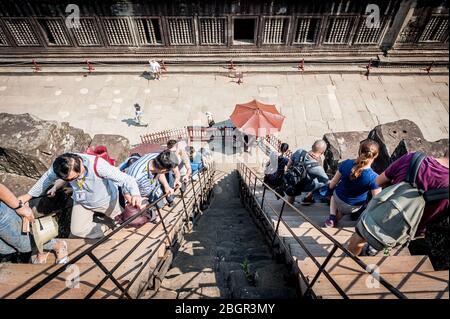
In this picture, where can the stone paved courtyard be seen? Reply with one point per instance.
(313, 104)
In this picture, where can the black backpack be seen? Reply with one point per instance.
(297, 174)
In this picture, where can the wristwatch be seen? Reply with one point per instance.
(20, 205)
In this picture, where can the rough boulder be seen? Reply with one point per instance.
(39, 139)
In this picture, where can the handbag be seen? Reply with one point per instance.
(44, 229)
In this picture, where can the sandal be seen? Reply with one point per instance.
(62, 254)
(40, 258)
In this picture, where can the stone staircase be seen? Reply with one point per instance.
(225, 255)
(414, 276)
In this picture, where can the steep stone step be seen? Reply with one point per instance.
(17, 278)
(190, 279)
(311, 231)
(322, 250)
(111, 250)
(297, 221)
(346, 266)
(413, 284)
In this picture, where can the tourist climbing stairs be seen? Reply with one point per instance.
(123, 264)
(310, 247)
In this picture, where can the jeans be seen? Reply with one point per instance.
(12, 240)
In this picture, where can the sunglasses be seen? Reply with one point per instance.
(71, 179)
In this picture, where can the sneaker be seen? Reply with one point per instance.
(331, 221)
(369, 251)
(153, 216)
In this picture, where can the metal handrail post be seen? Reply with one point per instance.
(264, 194)
(164, 225)
(278, 223)
(195, 195)
(108, 274)
(184, 206)
(321, 269)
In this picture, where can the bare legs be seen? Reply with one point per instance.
(356, 244)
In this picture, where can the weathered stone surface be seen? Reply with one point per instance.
(43, 140)
(117, 145)
(435, 149)
(437, 241)
(341, 146)
(17, 184)
(389, 136)
(17, 163)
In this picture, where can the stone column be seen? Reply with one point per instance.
(400, 21)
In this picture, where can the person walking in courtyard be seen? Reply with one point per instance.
(138, 112)
(210, 119)
(155, 68)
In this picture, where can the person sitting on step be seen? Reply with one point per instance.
(433, 173)
(16, 246)
(149, 172)
(352, 183)
(315, 173)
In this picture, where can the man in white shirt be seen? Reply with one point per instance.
(94, 182)
(155, 68)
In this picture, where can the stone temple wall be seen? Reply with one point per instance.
(137, 27)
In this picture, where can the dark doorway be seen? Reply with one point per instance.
(244, 31)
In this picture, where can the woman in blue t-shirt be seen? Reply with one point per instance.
(352, 183)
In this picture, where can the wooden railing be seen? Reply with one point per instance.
(164, 136)
(276, 144)
(209, 133)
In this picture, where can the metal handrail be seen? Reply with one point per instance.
(247, 173)
(109, 273)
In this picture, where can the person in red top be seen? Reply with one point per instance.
(433, 174)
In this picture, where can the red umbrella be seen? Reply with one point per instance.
(254, 117)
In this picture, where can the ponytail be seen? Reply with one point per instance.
(368, 151)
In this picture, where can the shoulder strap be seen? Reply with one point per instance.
(311, 165)
(436, 194)
(413, 168)
(95, 166)
(302, 156)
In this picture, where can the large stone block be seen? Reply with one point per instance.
(17, 184)
(117, 145)
(435, 149)
(341, 146)
(17, 163)
(42, 140)
(389, 136)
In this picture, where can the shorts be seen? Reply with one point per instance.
(343, 207)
